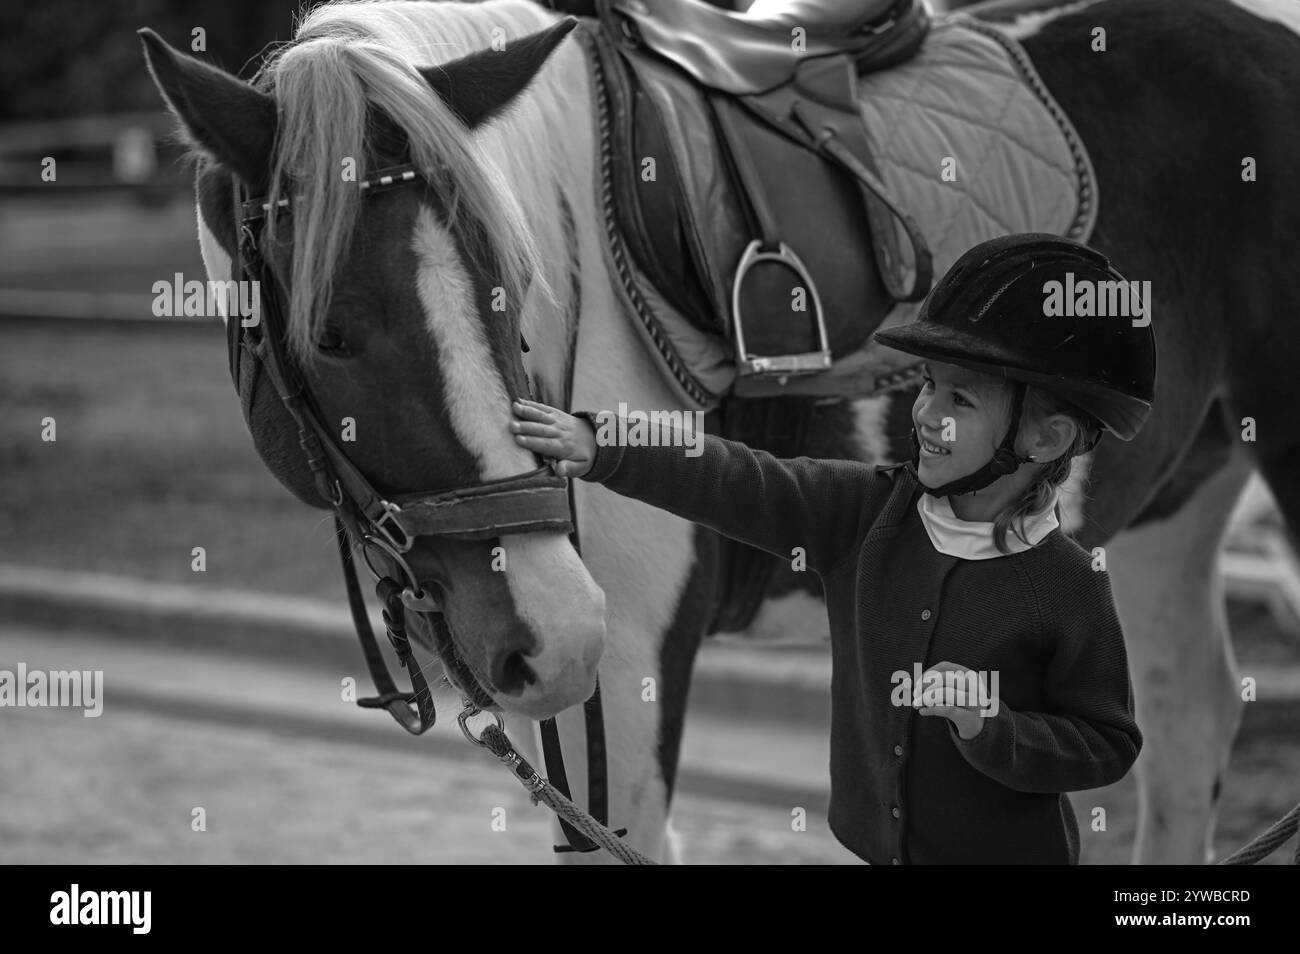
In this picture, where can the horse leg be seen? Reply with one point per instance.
(1281, 471)
(1170, 601)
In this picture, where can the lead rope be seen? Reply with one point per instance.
(1265, 844)
(495, 740)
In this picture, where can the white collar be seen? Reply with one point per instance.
(973, 540)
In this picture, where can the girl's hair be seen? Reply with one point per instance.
(1039, 405)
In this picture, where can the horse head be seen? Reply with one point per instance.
(402, 311)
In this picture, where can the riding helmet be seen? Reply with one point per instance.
(990, 313)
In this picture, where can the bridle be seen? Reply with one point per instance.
(531, 502)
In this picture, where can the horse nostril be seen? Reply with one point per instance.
(511, 673)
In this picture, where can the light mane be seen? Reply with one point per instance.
(347, 56)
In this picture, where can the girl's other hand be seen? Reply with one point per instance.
(966, 719)
(556, 435)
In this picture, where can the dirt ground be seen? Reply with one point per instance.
(124, 789)
(124, 792)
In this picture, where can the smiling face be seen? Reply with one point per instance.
(960, 416)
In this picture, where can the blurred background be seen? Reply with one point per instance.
(223, 686)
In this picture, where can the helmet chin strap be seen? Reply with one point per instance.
(1005, 459)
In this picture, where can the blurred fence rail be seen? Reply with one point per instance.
(132, 152)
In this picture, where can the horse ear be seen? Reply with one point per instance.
(477, 87)
(220, 113)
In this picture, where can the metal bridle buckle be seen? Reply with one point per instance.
(337, 500)
(390, 516)
(247, 240)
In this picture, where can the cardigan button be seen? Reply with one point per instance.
(898, 750)
(896, 813)
(925, 614)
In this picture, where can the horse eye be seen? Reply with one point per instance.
(330, 340)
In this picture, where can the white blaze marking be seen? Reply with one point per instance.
(477, 401)
(547, 582)
(546, 578)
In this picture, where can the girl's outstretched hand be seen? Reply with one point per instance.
(568, 440)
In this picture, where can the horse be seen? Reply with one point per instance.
(407, 310)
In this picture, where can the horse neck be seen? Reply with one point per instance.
(562, 96)
(615, 365)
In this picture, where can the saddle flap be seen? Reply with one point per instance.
(822, 222)
(694, 210)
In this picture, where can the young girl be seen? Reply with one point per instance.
(951, 567)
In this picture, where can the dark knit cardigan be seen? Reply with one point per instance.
(906, 788)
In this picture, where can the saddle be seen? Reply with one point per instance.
(742, 182)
